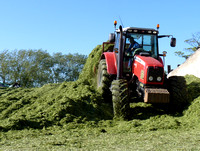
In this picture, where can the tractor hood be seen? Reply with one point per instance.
(148, 70)
(148, 61)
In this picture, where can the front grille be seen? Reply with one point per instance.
(154, 72)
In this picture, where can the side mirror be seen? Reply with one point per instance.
(173, 42)
(112, 37)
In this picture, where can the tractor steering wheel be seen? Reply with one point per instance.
(138, 50)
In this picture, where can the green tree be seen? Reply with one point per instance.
(21, 67)
(30, 67)
(194, 43)
(43, 62)
(34, 68)
(4, 66)
(67, 67)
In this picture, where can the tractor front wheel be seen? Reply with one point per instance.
(120, 99)
(178, 92)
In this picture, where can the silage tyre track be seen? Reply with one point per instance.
(104, 81)
(120, 98)
(178, 93)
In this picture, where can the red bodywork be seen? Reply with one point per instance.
(139, 67)
(111, 60)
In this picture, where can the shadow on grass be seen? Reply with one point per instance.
(23, 124)
(144, 111)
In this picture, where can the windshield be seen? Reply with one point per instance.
(145, 41)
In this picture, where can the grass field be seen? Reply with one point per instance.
(114, 137)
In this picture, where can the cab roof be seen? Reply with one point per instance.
(137, 29)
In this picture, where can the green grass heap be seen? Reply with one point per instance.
(79, 102)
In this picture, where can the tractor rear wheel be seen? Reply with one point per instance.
(104, 81)
(120, 99)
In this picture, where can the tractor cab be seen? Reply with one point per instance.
(138, 41)
(146, 39)
(145, 44)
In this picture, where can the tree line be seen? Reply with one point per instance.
(34, 68)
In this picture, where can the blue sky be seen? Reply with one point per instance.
(77, 26)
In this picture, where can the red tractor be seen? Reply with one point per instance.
(127, 73)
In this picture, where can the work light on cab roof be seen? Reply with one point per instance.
(158, 26)
(115, 22)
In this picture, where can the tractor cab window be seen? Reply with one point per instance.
(142, 43)
(116, 46)
(117, 41)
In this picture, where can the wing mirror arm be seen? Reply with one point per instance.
(172, 42)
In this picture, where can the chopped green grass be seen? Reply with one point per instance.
(110, 137)
(72, 115)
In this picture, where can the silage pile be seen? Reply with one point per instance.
(190, 66)
(55, 104)
(79, 102)
(192, 113)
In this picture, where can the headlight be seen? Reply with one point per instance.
(150, 78)
(159, 79)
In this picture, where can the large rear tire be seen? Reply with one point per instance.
(104, 81)
(120, 99)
